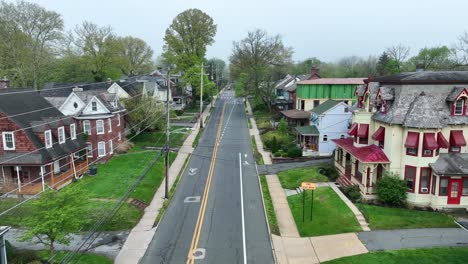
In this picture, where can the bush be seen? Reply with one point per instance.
(353, 193)
(264, 125)
(280, 153)
(294, 152)
(281, 140)
(391, 190)
(283, 126)
(179, 112)
(329, 171)
(274, 145)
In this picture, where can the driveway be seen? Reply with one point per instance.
(414, 238)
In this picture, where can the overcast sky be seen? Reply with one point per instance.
(327, 29)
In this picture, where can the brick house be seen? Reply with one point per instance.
(98, 113)
(414, 125)
(39, 145)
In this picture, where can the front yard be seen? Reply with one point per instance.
(330, 214)
(408, 256)
(380, 217)
(292, 179)
(104, 189)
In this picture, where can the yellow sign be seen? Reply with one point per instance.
(308, 186)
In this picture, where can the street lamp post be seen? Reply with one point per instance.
(201, 96)
(166, 190)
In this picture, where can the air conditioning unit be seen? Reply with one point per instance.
(424, 190)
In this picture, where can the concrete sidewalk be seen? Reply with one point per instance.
(140, 237)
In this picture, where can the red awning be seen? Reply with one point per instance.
(442, 141)
(412, 140)
(429, 141)
(363, 131)
(379, 135)
(457, 138)
(353, 130)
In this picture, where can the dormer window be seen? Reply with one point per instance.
(459, 107)
(61, 135)
(93, 106)
(8, 140)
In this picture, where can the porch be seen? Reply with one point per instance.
(307, 137)
(30, 180)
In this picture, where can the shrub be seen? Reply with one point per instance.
(281, 140)
(179, 112)
(329, 171)
(294, 152)
(274, 145)
(391, 190)
(353, 193)
(264, 125)
(283, 126)
(123, 147)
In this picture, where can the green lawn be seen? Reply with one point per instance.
(291, 179)
(104, 189)
(408, 256)
(270, 210)
(197, 138)
(30, 256)
(330, 214)
(158, 139)
(394, 218)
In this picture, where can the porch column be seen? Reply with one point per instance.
(364, 176)
(72, 164)
(3, 174)
(353, 166)
(52, 176)
(87, 161)
(18, 176)
(42, 178)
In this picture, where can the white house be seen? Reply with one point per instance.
(328, 121)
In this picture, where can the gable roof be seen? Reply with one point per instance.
(325, 106)
(65, 89)
(49, 117)
(356, 81)
(451, 164)
(296, 114)
(308, 130)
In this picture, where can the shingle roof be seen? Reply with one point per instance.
(296, 114)
(455, 92)
(14, 106)
(451, 164)
(427, 77)
(356, 81)
(325, 106)
(65, 89)
(366, 154)
(308, 130)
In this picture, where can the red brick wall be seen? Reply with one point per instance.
(94, 138)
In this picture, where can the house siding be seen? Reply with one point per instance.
(22, 141)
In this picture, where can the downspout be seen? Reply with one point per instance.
(18, 176)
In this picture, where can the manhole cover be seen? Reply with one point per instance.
(192, 199)
(199, 253)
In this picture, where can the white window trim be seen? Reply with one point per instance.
(100, 121)
(90, 151)
(111, 147)
(87, 131)
(12, 138)
(109, 123)
(118, 119)
(103, 144)
(92, 106)
(73, 131)
(462, 107)
(61, 134)
(120, 136)
(48, 134)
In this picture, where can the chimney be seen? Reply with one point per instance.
(420, 67)
(4, 83)
(314, 73)
(77, 89)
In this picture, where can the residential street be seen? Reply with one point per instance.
(220, 229)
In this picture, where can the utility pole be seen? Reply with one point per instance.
(201, 96)
(166, 190)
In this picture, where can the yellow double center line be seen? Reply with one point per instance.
(201, 213)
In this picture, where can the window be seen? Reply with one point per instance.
(99, 127)
(454, 148)
(425, 180)
(443, 188)
(302, 105)
(61, 135)
(427, 153)
(342, 136)
(87, 127)
(90, 150)
(325, 138)
(382, 144)
(8, 141)
(346, 102)
(48, 139)
(465, 186)
(111, 147)
(93, 106)
(73, 131)
(118, 119)
(410, 176)
(459, 107)
(101, 149)
(109, 123)
(120, 136)
(316, 103)
(412, 144)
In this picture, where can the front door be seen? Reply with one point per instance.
(454, 191)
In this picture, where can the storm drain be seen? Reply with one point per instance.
(192, 199)
(199, 253)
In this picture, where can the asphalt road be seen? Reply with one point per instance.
(222, 230)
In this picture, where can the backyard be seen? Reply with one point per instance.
(330, 214)
(408, 256)
(380, 217)
(292, 179)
